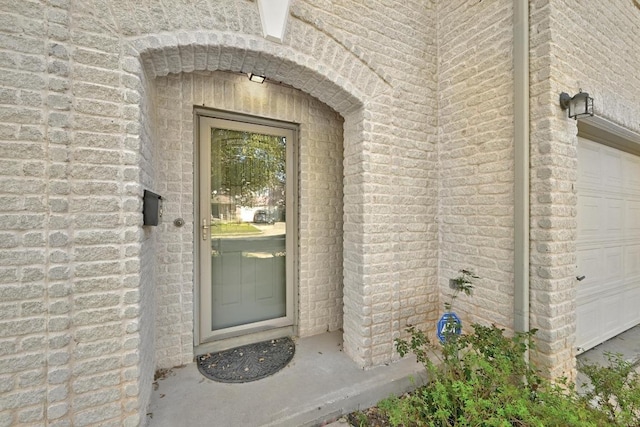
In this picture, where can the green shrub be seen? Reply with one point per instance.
(484, 379)
(614, 389)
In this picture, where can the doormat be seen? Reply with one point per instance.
(247, 363)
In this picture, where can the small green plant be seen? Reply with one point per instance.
(614, 389)
(400, 411)
(463, 283)
(360, 419)
(482, 378)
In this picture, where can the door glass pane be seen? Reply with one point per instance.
(248, 232)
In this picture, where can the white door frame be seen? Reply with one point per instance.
(204, 340)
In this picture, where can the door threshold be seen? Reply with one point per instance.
(227, 343)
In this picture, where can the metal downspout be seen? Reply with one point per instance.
(521, 163)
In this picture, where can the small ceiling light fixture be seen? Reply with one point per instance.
(256, 78)
(580, 105)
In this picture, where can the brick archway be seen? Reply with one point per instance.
(186, 52)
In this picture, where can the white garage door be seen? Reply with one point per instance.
(608, 243)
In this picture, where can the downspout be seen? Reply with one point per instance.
(521, 163)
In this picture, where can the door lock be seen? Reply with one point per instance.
(205, 229)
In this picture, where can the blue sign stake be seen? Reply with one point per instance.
(448, 325)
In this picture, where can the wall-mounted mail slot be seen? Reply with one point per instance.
(151, 208)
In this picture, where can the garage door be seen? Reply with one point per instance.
(608, 243)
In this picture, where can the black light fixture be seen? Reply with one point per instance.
(580, 105)
(256, 78)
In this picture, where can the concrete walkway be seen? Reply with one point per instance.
(319, 385)
(627, 344)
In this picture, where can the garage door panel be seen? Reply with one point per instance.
(632, 175)
(589, 166)
(613, 263)
(588, 313)
(632, 261)
(632, 217)
(591, 290)
(614, 218)
(612, 169)
(608, 242)
(590, 217)
(610, 308)
(590, 263)
(632, 306)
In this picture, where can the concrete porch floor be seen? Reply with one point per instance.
(319, 385)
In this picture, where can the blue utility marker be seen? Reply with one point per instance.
(448, 325)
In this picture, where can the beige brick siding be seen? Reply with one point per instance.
(35, 231)
(418, 184)
(565, 59)
(475, 98)
(80, 143)
(144, 114)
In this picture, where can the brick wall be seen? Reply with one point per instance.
(475, 151)
(80, 276)
(145, 342)
(34, 208)
(605, 65)
(424, 89)
(390, 237)
(85, 289)
(407, 291)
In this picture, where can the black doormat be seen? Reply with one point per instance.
(247, 363)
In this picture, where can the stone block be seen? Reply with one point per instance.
(58, 393)
(56, 411)
(31, 415)
(21, 400)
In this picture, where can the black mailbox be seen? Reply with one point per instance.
(151, 208)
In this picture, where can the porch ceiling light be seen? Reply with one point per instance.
(580, 105)
(256, 78)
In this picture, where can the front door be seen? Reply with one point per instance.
(245, 226)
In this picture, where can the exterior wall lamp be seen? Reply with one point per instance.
(580, 105)
(256, 78)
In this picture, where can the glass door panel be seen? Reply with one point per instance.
(244, 268)
(248, 233)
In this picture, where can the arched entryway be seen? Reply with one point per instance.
(176, 75)
(314, 181)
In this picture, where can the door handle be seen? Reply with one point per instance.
(205, 229)
(580, 278)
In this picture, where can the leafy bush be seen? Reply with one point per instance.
(484, 379)
(614, 389)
